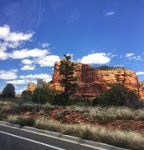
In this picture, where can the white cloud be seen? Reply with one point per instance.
(3, 55)
(110, 13)
(7, 35)
(45, 45)
(95, 58)
(10, 39)
(3, 46)
(129, 55)
(46, 77)
(8, 75)
(113, 56)
(27, 61)
(138, 58)
(18, 81)
(4, 31)
(28, 64)
(17, 37)
(132, 56)
(27, 53)
(140, 73)
(48, 60)
(119, 65)
(28, 67)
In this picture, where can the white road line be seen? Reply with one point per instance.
(51, 136)
(30, 140)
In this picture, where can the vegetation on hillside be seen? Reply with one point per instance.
(43, 95)
(29, 114)
(117, 95)
(26, 95)
(125, 139)
(108, 68)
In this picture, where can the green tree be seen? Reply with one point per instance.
(117, 95)
(26, 95)
(8, 91)
(68, 81)
(45, 95)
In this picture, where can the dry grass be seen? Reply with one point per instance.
(126, 139)
(21, 120)
(6, 107)
(104, 114)
(111, 113)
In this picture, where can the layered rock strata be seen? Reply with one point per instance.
(93, 81)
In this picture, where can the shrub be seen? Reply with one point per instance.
(26, 96)
(80, 101)
(23, 121)
(117, 95)
(60, 100)
(26, 107)
(44, 95)
(47, 107)
(62, 114)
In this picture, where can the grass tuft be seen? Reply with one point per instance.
(21, 120)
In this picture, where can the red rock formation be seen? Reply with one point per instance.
(92, 82)
(31, 87)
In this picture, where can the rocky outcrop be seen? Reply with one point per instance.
(142, 84)
(141, 91)
(93, 81)
(31, 87)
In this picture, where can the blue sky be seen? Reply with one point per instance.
(36, 33)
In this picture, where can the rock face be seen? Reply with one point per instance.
(31, 87)
(142, 84)
(91, 81)
(142, 90)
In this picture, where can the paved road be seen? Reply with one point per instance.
(16, 139)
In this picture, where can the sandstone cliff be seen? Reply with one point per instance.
(142, 84)
(92, 81)
(142, 90)
(31, 87)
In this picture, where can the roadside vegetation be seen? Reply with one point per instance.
(125, 139)
(95, 119)
(29, 113)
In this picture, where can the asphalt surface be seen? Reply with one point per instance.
(16, 139)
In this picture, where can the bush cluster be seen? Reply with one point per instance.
(117, 95)
(21, 120)
(42, 96)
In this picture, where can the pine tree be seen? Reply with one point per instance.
(9, 91)
(66, 70)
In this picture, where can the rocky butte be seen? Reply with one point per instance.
(31, 87)
(93, 81)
